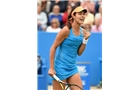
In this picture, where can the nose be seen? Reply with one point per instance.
(83, 16)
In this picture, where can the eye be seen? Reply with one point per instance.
(79, 13)
(84, 14)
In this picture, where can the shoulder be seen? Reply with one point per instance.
(65, 29)
(64, 32)
(59, 28)
(51, 15)
(43, 13)
(97, 15)
(49, 27)
(60, 15)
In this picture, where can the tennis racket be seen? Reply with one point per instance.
(64, 83)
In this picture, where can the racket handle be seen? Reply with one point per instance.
(56, 78)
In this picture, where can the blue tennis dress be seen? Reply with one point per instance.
(65, 60)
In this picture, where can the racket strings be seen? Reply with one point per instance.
(68, 85)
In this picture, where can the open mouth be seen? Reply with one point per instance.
(82, 20)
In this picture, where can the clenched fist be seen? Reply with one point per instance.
(51, 72)
(86, 34)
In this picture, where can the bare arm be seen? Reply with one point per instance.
(82, 46)
(59, 38)
(81, 49)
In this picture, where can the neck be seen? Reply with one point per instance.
(75, 25)
(56, 13)
(54, 27)
(38, 12)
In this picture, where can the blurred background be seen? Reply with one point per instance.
(51, 18)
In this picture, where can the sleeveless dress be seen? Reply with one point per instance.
(65, 60)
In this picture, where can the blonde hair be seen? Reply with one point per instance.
(39, 2)
(56, 20)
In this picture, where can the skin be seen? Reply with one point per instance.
(55, 23)
(56, 9)
(87, 27)
(38, 12)
(89, 5)
(69, 8)
(97, 23)
(38, 9)
(75, 79)
(44, 3)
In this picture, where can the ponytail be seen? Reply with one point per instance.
(70, 20)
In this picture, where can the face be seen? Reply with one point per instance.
(38, 9)
(44, 3)
(87, 27)
(54, 24)
(69, 8)
(100, 9)
(56, 9)
(79, 17)
(97, 22)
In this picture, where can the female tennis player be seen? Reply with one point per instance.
(72, 40)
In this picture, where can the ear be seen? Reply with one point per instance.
(74, 16)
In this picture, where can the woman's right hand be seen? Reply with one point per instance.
(51, 72)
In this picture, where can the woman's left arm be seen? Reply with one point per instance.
(86, 35)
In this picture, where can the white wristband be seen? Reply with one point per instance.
(85, 41)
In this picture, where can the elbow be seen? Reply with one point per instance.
(52, 49)
(79, 54)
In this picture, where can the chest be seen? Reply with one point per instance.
(73, 40)
(40, 17)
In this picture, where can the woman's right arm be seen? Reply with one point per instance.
(59, 38)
